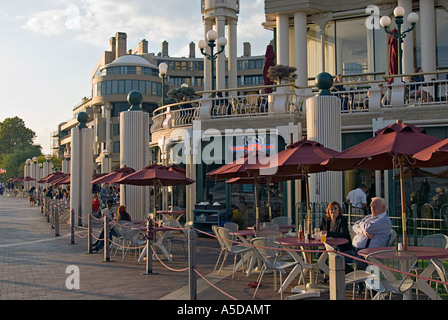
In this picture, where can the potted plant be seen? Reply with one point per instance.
(282, 74)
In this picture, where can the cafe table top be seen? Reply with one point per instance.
(423, 253)
(251, 232)
(295, 241)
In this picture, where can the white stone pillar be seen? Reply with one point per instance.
(232, 61)
(408, 42)
(300, 48)
(428, 37)
(107, 109)
(323, 125)
(221, 59)
(81, 171)
(134, 153)
(282, 24)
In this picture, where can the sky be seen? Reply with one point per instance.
(49, 48)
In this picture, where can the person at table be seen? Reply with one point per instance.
(108, 210)
(336, 225)
(122, 215)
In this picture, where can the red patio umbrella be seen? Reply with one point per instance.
(154, 175)
(237, 169)
(302, 157)
(393, 55)
(113, 177)
(28, 178)
(435, 155)
(391, 147)
(51, 177)
(62, 180)
(269, 61)
(267, 180)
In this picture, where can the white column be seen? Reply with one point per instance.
(427, 37)
(221, 59)
(134, 153)
(81, 174)
(300, 48)
(323, 124)
(282, 24)
(408, 42)
(232, 61)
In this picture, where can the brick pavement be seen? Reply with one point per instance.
(33, 266)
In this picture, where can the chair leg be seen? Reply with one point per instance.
(217, 261)
(259, 281)
(223, 260)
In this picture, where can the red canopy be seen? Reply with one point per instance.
(392, 146)
(269, 61)
(434, 156)
(28, 178)
(62, 180)
(156, 175)
(381, 152)
(114, 176)
(51, 177)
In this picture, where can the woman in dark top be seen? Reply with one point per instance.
(336, 225)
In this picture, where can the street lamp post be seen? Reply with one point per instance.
(163, 69)
(399, 35)
(212, 35)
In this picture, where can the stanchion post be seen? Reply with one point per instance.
(192, 239)
(72, 226)
(56, 221)
(89, 233)
(337, 276)
(149, 242)
(106, 239)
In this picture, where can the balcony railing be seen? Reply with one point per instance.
(357, 97)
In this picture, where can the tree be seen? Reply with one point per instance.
(14, 136)
(14, 162)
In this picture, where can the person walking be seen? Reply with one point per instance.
(357, 199)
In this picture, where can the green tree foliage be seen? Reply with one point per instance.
(16, 146)
(14, 135)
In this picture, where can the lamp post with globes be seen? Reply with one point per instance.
(163, 69)
(212, 35)
(399, 13)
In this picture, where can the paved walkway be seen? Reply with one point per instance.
(34, 262)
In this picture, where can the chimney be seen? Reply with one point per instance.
(121, 39)
(246, 49)
(112, 46)
(192, 50)
(143, 46)
(165, 49)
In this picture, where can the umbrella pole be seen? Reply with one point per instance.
(308, 206)
(257, 213)
(269, 199)
(403, 208)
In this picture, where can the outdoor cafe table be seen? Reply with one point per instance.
(159, 241)
(245, 235)
(294, 241)
(422, 253)
(175, 215)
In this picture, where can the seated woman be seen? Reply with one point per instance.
(336, 226)
(122, 215)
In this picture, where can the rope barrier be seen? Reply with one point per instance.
(65, 212)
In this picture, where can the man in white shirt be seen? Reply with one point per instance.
(357, 199)
(374, 230)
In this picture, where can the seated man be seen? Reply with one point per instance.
(371, 232)
(374, 230)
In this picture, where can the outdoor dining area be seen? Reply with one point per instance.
(309, 259)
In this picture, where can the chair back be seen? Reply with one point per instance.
(226, 237)
(440, 269)
(282, 221)
(437, 240)
(218, 237)
(231, 226)
(397, 262)
(267, 250)
(392, 238)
